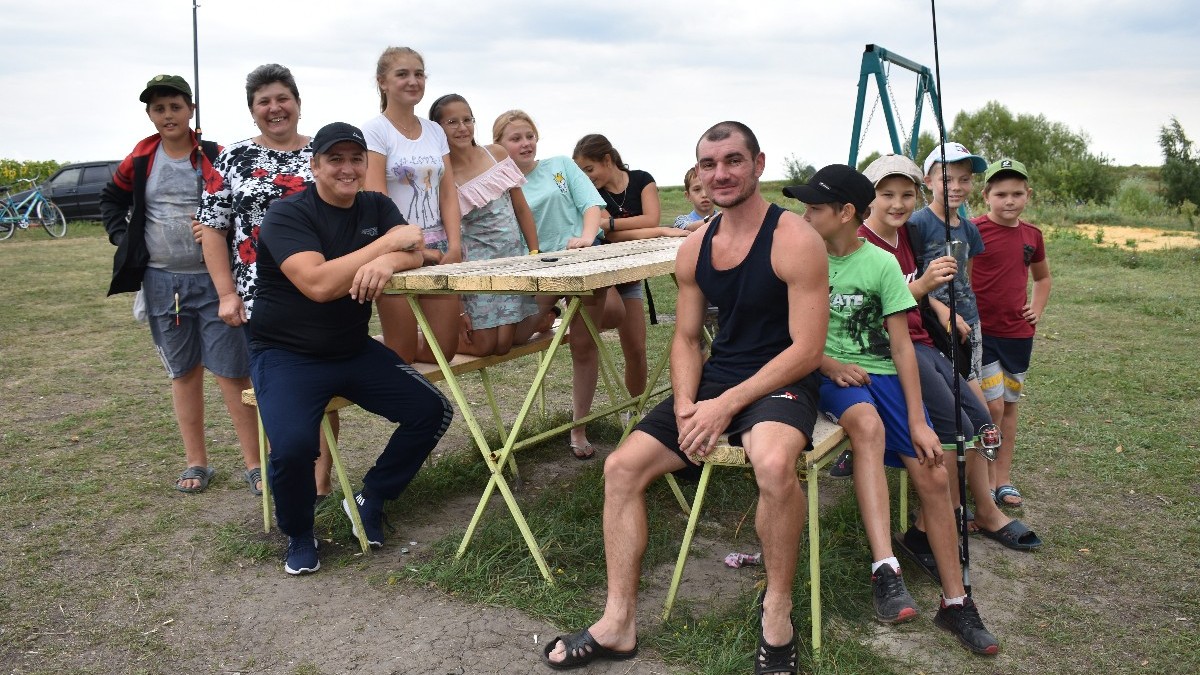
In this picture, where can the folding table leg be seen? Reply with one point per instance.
(496, 461)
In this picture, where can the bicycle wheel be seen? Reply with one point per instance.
(51, 218)
(8, 221)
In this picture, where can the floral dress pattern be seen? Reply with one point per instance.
(490, 230)
(250, 177)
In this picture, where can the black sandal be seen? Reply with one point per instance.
(581, 649)
(769, 658)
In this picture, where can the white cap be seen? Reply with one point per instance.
(955, 152)
(892, 165)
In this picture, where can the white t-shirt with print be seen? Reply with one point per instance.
(414, 171)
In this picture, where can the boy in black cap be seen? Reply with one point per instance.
(147, 210)
(871, 387)
(324, 255)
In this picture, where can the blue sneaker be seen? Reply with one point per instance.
(302, 555)
(370, 511)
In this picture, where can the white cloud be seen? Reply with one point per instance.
(651, 76)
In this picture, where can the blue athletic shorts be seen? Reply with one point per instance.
(192, 335)
(886, 395)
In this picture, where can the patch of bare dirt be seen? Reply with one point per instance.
(1140, 238)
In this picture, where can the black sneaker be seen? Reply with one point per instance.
(964, 623)
(893, 603)
(843, 466)
(302, 555)
(370, 511)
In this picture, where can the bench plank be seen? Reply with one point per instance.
(827, 437)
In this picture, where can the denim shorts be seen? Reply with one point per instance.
(190, 333)
(630, 291)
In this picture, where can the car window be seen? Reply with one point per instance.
(68, 178)
(97, 174)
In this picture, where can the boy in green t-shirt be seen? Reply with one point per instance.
(871, 387)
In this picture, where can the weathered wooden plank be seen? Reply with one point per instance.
(575, 271)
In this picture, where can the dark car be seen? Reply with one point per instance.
(76, 188)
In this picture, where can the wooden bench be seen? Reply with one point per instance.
(459, 365)
(828, 441)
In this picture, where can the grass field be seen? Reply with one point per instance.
(96, 545)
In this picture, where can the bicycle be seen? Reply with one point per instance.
(34, 208)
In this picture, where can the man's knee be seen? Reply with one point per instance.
(635, 464)
(863, 426)
(293, 444)
(775, 471)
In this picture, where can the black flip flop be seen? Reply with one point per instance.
(582, 649)
(925, 561)
(1015, 535)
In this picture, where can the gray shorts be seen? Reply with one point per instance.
(976, 339)
(190, 333)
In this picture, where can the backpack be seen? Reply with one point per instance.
(929, 319)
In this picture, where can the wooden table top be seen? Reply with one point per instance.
(571, 272)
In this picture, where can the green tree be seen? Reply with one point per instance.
(1059, 160)
(1181, 165)
(796, 170)
(866, 161)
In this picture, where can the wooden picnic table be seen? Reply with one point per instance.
(574, 274)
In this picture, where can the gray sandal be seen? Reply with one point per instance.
(253, 478)
(201, 473)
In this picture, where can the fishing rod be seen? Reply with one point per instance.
(196, 67)
(960, 449)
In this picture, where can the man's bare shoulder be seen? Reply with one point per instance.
(794, 236)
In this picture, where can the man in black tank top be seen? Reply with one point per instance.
(767, 273)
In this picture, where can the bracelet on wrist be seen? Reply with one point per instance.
(534, 251)
(612, 224)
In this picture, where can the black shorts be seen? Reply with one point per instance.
(794, 405)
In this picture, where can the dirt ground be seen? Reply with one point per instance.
(1144, 238)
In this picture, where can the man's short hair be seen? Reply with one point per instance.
(723, 130)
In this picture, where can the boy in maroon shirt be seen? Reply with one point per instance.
(1013, 249)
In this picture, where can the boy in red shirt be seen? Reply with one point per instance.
(1012, 250)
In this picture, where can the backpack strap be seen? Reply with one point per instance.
(917, 249)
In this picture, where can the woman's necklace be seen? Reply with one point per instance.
(624, 194)
(405, 130)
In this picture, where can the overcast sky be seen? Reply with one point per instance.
(651, 75)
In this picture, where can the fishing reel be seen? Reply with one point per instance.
(989, 441)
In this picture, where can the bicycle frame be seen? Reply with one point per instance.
(24, 209)
(34, 208)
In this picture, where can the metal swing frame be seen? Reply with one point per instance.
(873, 60)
